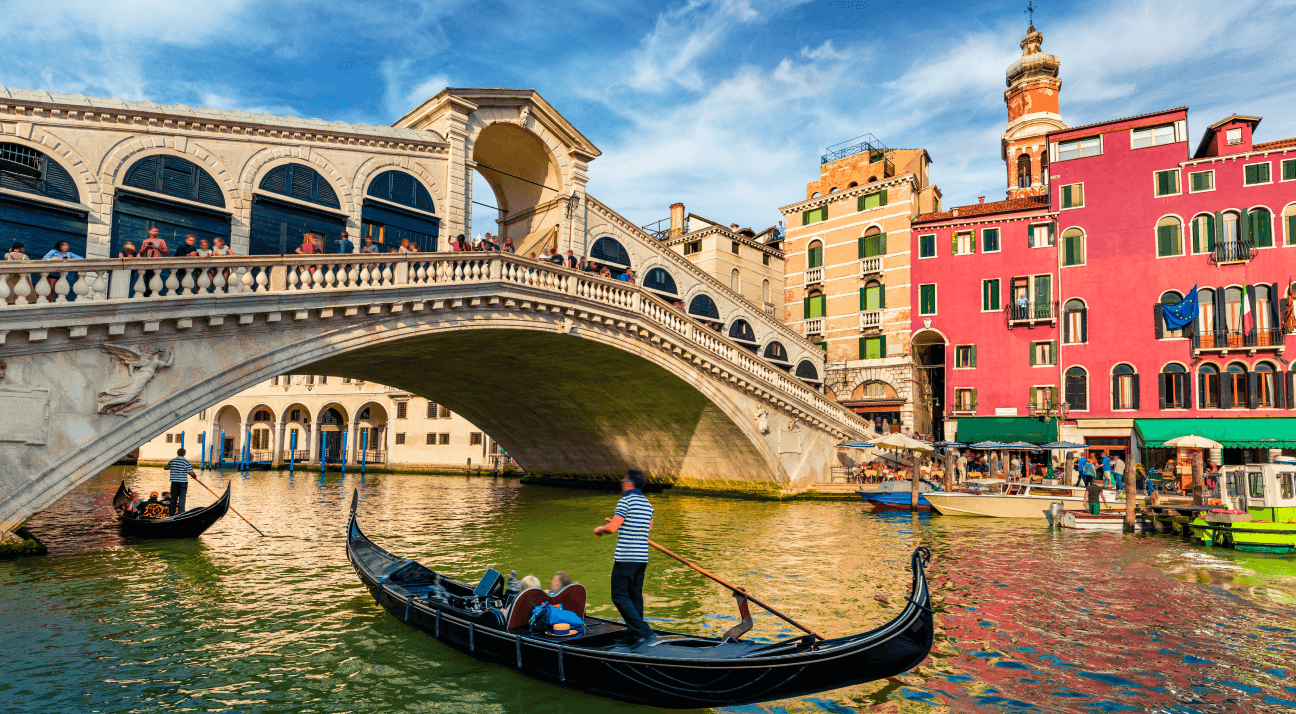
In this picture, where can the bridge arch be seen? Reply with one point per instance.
(269, 159)
(375, 165)
(527, 174)
(130, 151)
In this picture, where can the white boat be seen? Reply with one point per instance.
(1080, 521)
(1016, 500)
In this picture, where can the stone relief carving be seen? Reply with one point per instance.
(523, 113)
(762, 420)
(124, 396)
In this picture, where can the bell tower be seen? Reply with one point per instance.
(1032, 99)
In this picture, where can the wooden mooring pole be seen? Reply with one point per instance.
(1199, 484)
(1131, 495)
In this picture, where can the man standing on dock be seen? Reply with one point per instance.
(631, 522)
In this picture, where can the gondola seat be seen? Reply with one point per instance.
(571, 598)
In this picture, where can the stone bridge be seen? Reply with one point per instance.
(572, 373)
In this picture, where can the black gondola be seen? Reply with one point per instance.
(673, 671)
(189, 524)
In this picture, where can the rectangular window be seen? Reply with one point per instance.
(1289, 170)
(323, 379)
(475, 438)
(274, 381)
(733, 247)
(1257, 174)
(202, 415)
(1080, 148)
(990, 240)
(445, 439)
(443, 412)
(927, 299)
(872, 200)
(693, 247)
(1073, 195)
(1039, 235)
(400, 439)
(169, 438)
(1233, 136)
(814, 215)
(432, 410)
(431, 440)
(764, 258)
(1202, 180)
(1167, 182)
(1044, 396)
(990, 295)
(1152, 136)
(964, 356)
(964, 400)
(401, 409)
(927, 246)
(346, 380)
(873, 347)
(1043, 353)
(964, 242)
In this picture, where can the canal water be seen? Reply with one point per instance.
(1028, 619)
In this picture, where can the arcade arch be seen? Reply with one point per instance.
(527, 181)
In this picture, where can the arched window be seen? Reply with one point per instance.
(1024, 171)
(872, 296)
(1125, 387)
(1174, 388)
(1232, 232)
(742, 331)
(774, 351)
(1268, 390)
(1073, 248)
(262, 415)
(735, 283)
(806, 370)
(176, 177)
(1206, 317)
(413, 218)
(609, 250)
(38, 225)
(814, 195)
(832, 190)
(814, 255)
(1260, 227)
(658, 280)
(1076, 389)
(1208, 386)
(1169, 232)
(874, 390)
(1203, 233)
(1170, 297)
(703, 306)
(816, 305)
(1266, 334)
(873, 243)
(1233, 316)
(302, 183)
(853, 184)
(1289, 224)
(765, 291)
(134, 214)
(1234, 392)
(1075, 327)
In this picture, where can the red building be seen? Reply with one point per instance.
(1054, 302)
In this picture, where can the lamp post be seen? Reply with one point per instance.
(1050, 411)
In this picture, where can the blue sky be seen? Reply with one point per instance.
(725, 105)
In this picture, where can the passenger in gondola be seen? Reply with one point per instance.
(131, 508)
(152, 508)
(560, 580)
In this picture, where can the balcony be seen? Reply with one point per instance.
(814, 276)
(1225, 341)
(1030, 314)
(870, 266)
(870, 320)
(1231, 252)
(299, 455)
(814, 326)
(768, 307)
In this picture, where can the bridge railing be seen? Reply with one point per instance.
(40, 284)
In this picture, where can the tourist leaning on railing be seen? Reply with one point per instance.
(17, 253)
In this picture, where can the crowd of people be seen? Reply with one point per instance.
(1107, 469)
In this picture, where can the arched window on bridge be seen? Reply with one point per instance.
(148, 200)
(279, 225)
(398, 206)
(704, 307)
(807, 371)
(38, 225)
(660, 281)
(777, 353)
(741, 332)
(609, 251)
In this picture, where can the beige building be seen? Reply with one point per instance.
(393, 428)
(846, 284)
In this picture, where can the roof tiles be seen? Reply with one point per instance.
(1280, 144)
(980, 209)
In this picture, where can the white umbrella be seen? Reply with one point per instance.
(1192, 441)
(900, 441)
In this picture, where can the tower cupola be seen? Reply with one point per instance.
(1032, 99)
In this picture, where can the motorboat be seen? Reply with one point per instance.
(1017, 500)
(897, 495)
(1258, 511)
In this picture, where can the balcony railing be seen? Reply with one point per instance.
(870, 266)
(870, 320)
(1030, 313)
(814, 326)
(373, 457)
(1227, 340)
(814, 275)
(297, 456)
(1234, 251)
(768, 307)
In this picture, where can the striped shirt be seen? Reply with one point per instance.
(632, 536)
(180, 468)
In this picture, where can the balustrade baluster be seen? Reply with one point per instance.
(422, 273)
(99, 286)
(317, 277)
(247, 279)
(4, 290)
(43, 289)
(353, 275)
(172, 281)
(365, 276)
(263, 279)
(204, 282)
(187, 283)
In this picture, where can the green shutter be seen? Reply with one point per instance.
(1055, 351)
(862, 348)
(1289, 173)
(973, 356)
(861, 299)
(1291, 230)
(1168, 242)
(1032, 358)
(883, 200)
(985, 295)
(882, 346)
(1066, 197)
(1163, 183)
(1261, 230)
(1244, 227)
(1033, 391)
(974, 399)
(1196, 234)
(882, 297)
(805, 305)
(1219, 225)
(974, 240)
(861, 248)
(954, 243)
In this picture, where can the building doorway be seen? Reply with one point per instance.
(929, 383)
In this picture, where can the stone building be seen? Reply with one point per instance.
(393, 428)
(846, 284)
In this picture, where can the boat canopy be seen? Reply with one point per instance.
(1232, 433)
(1006, 429)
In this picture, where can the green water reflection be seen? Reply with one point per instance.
(1029, 619)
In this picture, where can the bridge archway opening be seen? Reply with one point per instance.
(296, 419)
(526, 181)
(229, 423)
(371, 431)
(332, 425)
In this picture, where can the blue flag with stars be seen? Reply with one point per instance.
(1181, 314)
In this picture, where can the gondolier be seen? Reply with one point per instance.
(631, 522)
(181, 470)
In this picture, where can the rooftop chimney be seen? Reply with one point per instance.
(676, 220)
(980, 199)
(954, 212)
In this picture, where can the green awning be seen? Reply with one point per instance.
(1006, 429)
(1233, 433)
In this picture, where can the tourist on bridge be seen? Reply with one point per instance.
(181, 470)
(369, 246)
(61, 251)
(188, 247)
(508, 246)
(631, 522)
(307, 246)
(627, 277)
(344, 243)
(153, 247)
(17, 253)
(219, 249)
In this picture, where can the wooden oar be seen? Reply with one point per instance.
(737, 589)
(240, 515)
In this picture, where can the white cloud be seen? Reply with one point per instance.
(402, 94)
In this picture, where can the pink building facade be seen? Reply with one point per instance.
(1060, 307)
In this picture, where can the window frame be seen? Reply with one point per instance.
(1087, 396)
(998, 294)
(998, 237)
(1209, 172)
(1079, 148)
(1053, 353)
(1268, 170)
(881, 343)
(1083, 196)
(969, 408)
(1157, 232)
(1134, 388)
(960, 352)
(1156, 183)
(1282, 169)
(922, 247)
(806, 217)
(1151, 131)
(1189, 384)
(1084, 252)
(1208, 398)
(935, 299)
(1051, 236)
(959, 236)
(1066, 318)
